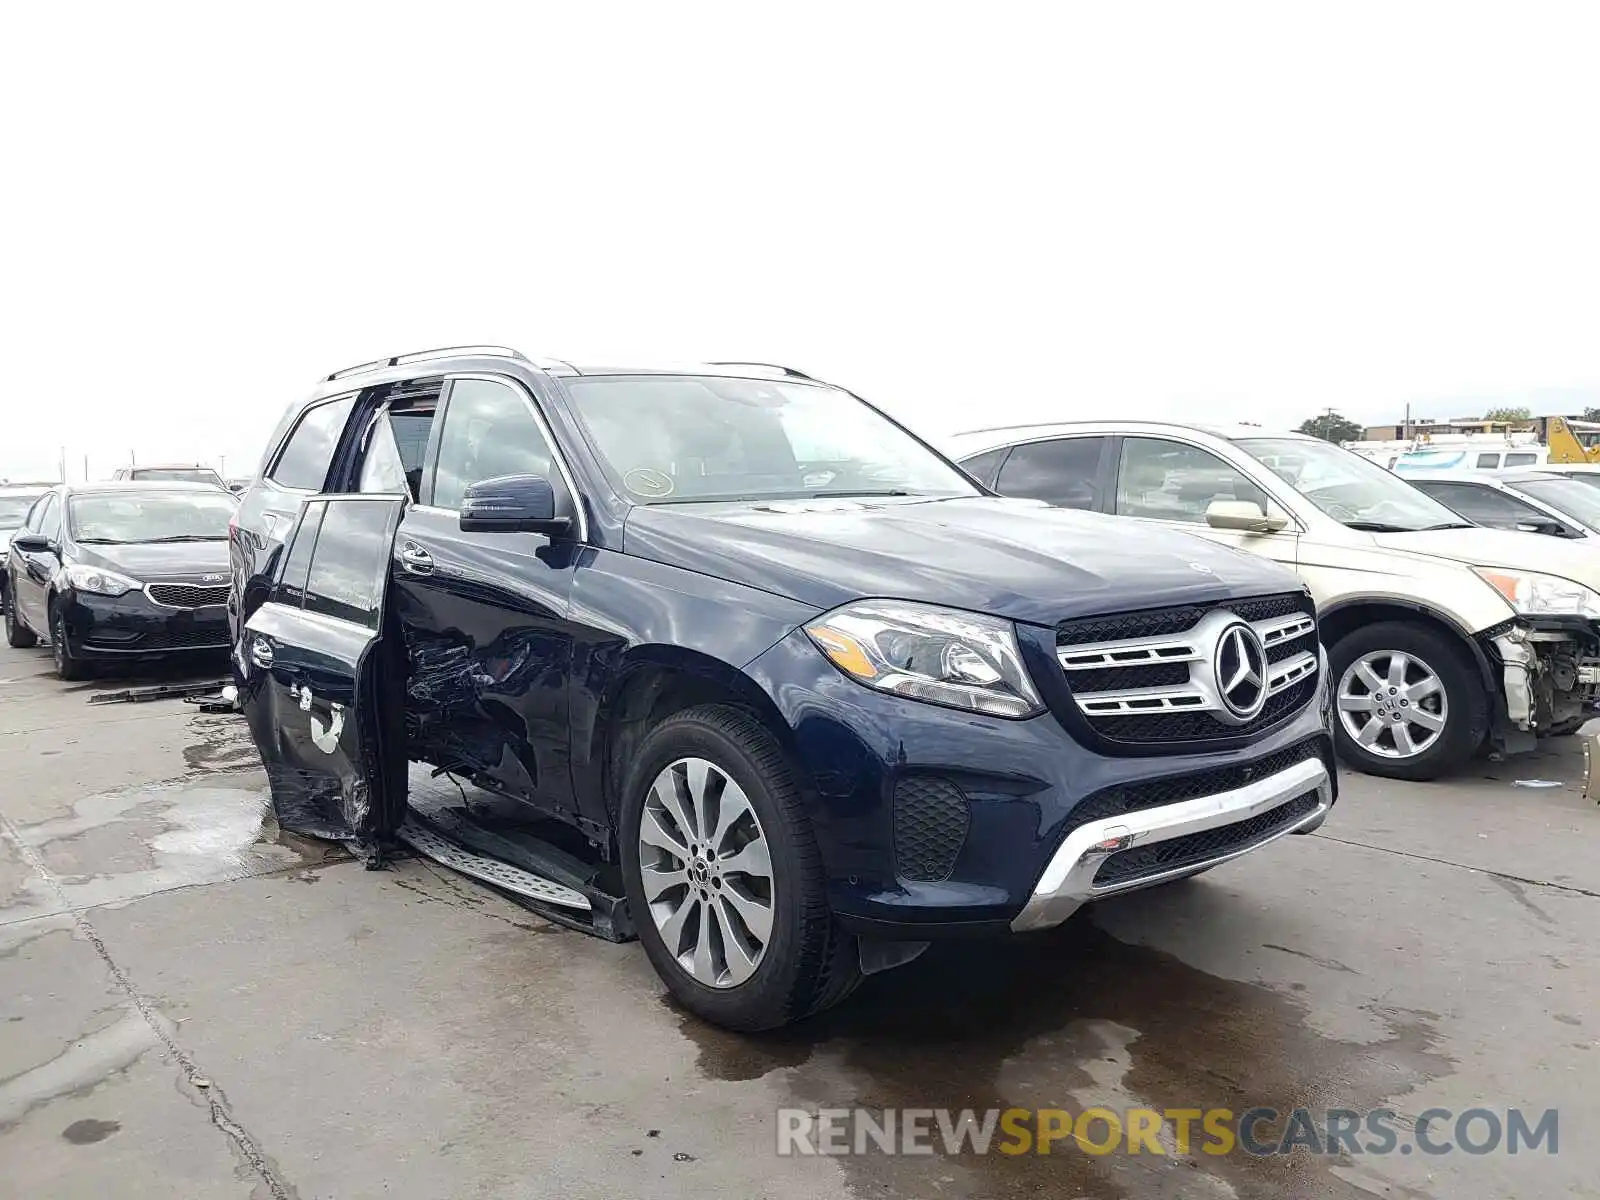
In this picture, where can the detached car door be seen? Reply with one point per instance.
(319, 689)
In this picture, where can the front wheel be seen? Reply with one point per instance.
(1408, 704)
(724, 877)
(68, 666)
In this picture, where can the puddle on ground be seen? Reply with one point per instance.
(132, 842)
(1072, 1019)
(80, 1068)
(222, 743)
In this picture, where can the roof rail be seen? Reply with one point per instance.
(789, 372)
(1023, 425)
(421, 355)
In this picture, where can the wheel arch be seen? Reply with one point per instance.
(650, 684)
(1344, 616)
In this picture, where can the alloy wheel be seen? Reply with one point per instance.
(1392, 704)
(707, 872)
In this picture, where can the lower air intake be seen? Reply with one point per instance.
(930, 827)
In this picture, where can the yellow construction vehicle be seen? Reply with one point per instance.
(1573, 441)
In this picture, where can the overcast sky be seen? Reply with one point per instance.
(1003, 213)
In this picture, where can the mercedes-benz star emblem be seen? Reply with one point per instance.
(1241, 668)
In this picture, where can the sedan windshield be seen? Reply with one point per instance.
(669, 439)
(1350, 489)
(1576, 499)
(107, 519)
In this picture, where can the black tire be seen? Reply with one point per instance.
(1466, 699)
(809, 962)
(68, 666)
(18, 635)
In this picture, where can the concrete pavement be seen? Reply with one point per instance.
(195, 1005)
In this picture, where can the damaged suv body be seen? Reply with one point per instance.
(806, 696)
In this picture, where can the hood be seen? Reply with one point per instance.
(159, 560)
(1571, 558)
(1013, 558)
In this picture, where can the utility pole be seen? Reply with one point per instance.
(62, 460)
(86, 468)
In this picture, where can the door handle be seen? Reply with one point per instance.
(261, 653)
(415, 559)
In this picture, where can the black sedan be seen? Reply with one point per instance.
(121, 571)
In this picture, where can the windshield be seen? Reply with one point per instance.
(150, 517)
(1349, 488)
(14, 510)
(1589, 479)
(180, 474)
(1579, 501)
(670, 439)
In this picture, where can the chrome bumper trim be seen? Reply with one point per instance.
(1068, 881)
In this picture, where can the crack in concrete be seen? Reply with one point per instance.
(1503, 876)
(216, 1099)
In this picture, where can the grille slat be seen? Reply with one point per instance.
(1201, 726)
(1156, 858)
(189, 595)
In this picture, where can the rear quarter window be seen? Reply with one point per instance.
(304, 461)
(983, 467)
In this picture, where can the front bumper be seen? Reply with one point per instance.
(1013, 797)
(1302, 794)
(1549, 673)
(132, 625)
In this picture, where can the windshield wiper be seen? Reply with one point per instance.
(190, 537)
(1378, 527)
(1448, 525)
(851, 495)
(101, 542)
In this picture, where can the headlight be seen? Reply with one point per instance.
(958, 659)
(101, 583)
(1535, 595)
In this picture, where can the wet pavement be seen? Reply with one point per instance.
(195, 1004)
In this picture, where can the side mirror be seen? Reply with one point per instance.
(32, 543)
(1246, 516)
(512, 503)
(1549, 528)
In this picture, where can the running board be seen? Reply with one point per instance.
(533, 873)
(502, 875)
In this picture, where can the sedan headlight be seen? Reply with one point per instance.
(101, 583)
(941, 655)
(1535, 595)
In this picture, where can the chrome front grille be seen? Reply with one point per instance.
(1193, 673)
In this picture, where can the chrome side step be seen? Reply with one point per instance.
(493, 871)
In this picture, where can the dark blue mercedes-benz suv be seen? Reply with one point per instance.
(813, 694)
